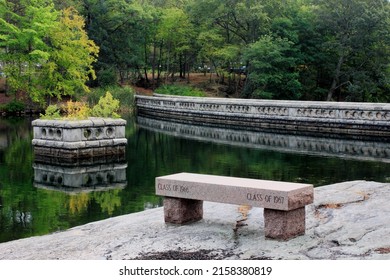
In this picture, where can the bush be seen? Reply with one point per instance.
(107, 107)
(107, 77)
(14, 106)
(76, 110)
(52, 112)
(180, 90)
(125, 95)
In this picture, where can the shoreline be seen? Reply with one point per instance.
(346, 221)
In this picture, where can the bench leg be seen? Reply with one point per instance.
(284, 225)
(181, 210)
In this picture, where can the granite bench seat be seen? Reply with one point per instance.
(283, 202)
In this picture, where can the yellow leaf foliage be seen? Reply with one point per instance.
(75, 110)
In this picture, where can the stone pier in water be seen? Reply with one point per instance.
(72, 140)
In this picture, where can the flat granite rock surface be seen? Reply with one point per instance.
(346, 221)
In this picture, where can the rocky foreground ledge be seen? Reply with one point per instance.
(346, 221)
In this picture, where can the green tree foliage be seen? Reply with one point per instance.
(272, 70)
(44, 52)
(356, 48)
(72, 53)
(227, 28)
(333, 49)
(119, 27)
(175, 32)
(23, 34)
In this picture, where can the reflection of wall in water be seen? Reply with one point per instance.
(80, 178)
(362, 150)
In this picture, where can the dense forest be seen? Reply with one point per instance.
(280, 49)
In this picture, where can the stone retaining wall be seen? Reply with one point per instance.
(354, 119)
(95, 137)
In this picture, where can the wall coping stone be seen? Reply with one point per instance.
(79, 123)
(279, 103)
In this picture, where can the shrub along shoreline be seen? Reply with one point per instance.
(21, 105)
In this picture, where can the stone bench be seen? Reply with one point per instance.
(283, 202)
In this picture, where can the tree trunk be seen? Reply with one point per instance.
(146, 62)
(336, 79)
(181, 66)
(147, 84)
(159, 66)
(167, 67)
(154, 62)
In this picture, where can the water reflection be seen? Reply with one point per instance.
(298, 144)
(82, 178)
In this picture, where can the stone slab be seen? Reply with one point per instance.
(232, 190)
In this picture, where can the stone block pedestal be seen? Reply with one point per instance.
(181, 211)
(79, 139)
(284, 225)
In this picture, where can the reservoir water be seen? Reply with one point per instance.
(156, 148)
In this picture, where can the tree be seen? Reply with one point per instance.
(241, 21)
(272, 72)
(24, 31)
(357, 46)
(340, 48)
(72, 53)
(176, 34)
(45, 52)
(120, 28)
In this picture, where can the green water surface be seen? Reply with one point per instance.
(26, 210)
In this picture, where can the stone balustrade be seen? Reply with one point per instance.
(354, 119)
